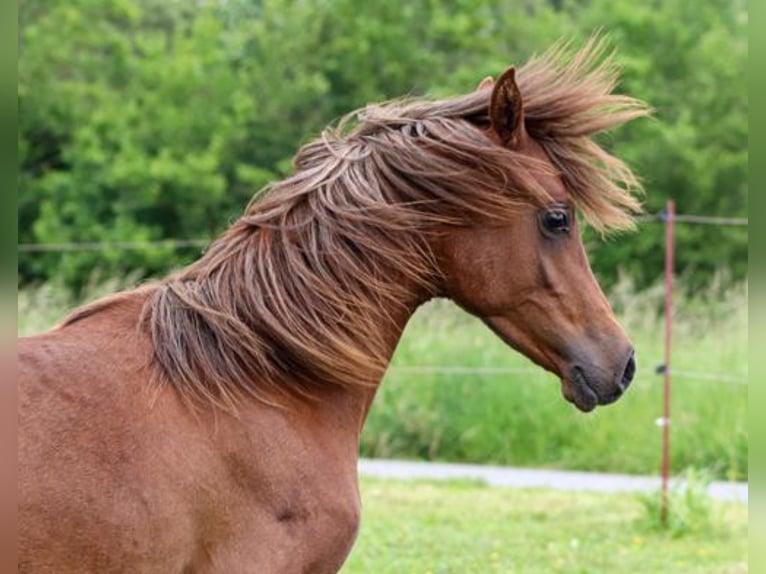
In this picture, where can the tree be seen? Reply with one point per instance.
(150, 119)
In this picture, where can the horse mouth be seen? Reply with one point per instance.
(578, 391)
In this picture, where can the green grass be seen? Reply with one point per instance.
(465, 527)
(521, 419)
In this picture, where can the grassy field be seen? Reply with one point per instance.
(464, 527)
(521, 419)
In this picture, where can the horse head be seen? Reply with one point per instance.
(528, 278)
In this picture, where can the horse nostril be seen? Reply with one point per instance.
(630, 370)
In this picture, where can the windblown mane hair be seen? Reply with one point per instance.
(290, 291)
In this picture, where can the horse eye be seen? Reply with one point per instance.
(555, 220)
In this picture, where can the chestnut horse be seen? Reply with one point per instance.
(209, 422)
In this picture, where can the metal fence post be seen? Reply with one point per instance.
(669, 247)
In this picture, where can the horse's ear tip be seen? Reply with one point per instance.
(509, 75)
(486, 84)
(506, 110)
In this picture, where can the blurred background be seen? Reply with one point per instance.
(145, 126)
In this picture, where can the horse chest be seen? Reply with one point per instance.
(280, 500)
(311, 531)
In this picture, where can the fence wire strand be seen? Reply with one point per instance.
(497, 371)
(201, 243)
(111, 245)
(660, 217)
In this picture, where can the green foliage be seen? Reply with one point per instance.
(147, 120)
(687, 60)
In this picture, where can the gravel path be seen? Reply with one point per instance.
(525, 477)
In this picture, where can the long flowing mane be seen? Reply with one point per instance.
(288, 292)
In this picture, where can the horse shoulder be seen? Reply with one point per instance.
(287, 498)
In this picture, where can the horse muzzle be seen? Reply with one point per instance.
(586, 386)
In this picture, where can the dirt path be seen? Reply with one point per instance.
(525, 477)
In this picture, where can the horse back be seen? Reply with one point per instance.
(85, 444)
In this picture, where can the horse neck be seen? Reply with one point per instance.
(397, 321)
(348, 406)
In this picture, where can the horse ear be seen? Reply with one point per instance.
(505, 109)
(485, 84)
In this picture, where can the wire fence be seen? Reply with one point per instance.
(458, 371)
(112, 245)
(660, 217)
(201, 243)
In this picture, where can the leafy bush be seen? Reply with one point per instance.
(142, 120)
